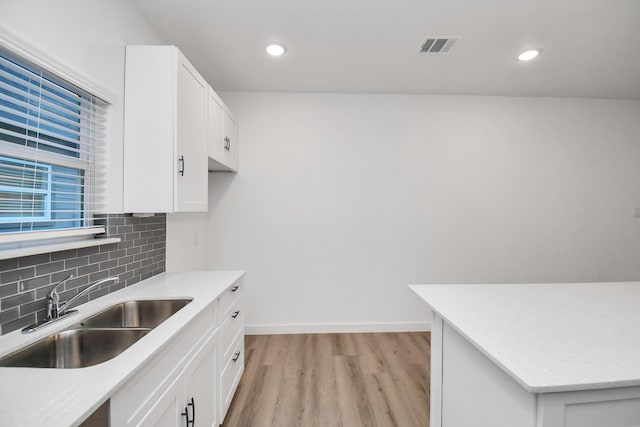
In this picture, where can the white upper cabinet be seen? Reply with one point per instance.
(165, 132)
(215, 137)
(223, 144)
(231, 139)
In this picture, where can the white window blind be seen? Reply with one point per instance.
(52, 150)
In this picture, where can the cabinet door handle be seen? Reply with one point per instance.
(186, 415)
(227, 143)
(181, 160)
(236, 356)
(193, 412)
(235, 314)
(235, 288)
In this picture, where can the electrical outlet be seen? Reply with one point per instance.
(636, 213)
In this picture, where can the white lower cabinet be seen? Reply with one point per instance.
(231, 345)
(166, 411)
(193, 380)
(200, 377)
(231, 374)
(469, 390)
(191, 396)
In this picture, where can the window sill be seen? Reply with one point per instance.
(55, 247)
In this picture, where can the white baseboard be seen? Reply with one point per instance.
(318, 328)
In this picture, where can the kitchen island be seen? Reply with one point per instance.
(538, 355)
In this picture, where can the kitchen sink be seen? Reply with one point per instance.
(75, 348)
(98, 338)
(135, 314)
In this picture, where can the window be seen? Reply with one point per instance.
(51, 150)
(20, 205)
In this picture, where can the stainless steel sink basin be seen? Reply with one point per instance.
(135, 314)
(75, 348)
(98, 338)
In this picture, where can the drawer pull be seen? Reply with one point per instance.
(193, 413)
(236, 356)
(191, 421)
(235, 314)
(186, 414)
(235, 288)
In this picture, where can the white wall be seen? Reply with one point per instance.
(187, 241)
(341, 200)
(88, 37)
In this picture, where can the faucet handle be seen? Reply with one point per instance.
(55, 302)
(53, 299)
(54, 288)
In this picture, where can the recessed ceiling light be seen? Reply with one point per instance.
(275, 49)
(528, 55)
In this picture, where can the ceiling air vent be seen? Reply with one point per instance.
(438, 44)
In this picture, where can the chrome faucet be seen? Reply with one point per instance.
(56, 311)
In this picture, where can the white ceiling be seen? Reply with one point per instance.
(590, 48)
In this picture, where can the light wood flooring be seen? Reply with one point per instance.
(328, 380)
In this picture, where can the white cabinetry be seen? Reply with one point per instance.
(190, 395)
(194, 377)
(469, 390)
(200, 376)
(165, 132)
(231, 345)
(231, 374)
(223, 143)
(166, 411)
(162, 391)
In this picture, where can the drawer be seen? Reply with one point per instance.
(231, 327)
(231, 374)
(229, 299)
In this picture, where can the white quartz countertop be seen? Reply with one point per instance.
(65, 397)
(549, 337)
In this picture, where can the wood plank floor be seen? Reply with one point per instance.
(328, 380)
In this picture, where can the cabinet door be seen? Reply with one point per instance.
(167, 411)
(149, 121)
(191, 139)
(232, 146)
(215, 137)
(200, 383)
